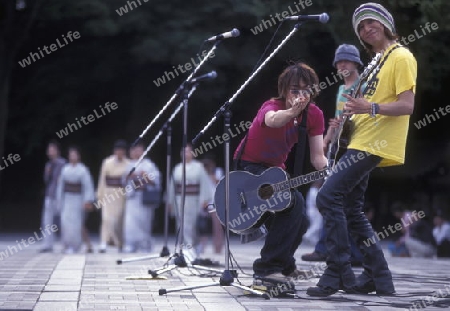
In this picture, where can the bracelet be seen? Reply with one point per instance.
(374, 109)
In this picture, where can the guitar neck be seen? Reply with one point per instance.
(300, 180)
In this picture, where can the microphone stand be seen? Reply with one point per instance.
(168, 128)
(179, 258)
(227, 278)
(177, 92)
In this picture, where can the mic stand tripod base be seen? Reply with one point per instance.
(180, 261)
(227, 279)
(164, 253)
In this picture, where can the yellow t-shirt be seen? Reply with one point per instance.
(385, 136)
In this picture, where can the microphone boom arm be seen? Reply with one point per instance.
(224, 107)
(159, 133)
(178, 91)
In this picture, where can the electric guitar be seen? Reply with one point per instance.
(251, 196)
(342, 134)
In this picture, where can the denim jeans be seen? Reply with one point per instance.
(340, 201)
(320, 248)
(285, 231)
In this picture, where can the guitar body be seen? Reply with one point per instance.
(340, 142)
(251, 196)
(346, 136)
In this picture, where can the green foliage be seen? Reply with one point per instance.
(118, 57)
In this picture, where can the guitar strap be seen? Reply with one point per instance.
(239, 154)
(374, 76)
(302, 143)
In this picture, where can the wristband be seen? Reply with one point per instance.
(374, 109)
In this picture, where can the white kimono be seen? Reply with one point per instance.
(75, 188)
(198, 191)
(139, 217)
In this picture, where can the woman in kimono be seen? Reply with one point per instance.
(75, 193)
(139, 217)
(111, 197)
(198, 195)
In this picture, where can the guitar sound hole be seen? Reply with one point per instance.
(265, 192)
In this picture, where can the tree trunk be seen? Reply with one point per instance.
(14, 27)
(5, 74)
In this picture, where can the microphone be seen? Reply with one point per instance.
(207, 76)
(323, 18)
(225, 35)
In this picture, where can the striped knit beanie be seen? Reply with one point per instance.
(374, 11)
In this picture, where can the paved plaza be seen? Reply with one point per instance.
(55, 281)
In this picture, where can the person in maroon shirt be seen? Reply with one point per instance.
(270, 138)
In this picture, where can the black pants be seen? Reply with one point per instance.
(285, 232)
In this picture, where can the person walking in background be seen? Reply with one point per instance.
(139, 217)
(420, 242)
(215, 174)
(198, 195)
(111, 196)
(441, 233)
(51, 209)
(398, 248)
(75, 194)
(312, 235)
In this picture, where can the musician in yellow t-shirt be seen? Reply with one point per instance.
(381, 118)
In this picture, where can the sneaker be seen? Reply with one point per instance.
(275, 279)
(314, 257)
(370, 287)
(319, 291)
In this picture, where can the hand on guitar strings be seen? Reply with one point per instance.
(358, 105)
(334, 122)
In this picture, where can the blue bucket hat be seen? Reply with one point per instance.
(347, 52)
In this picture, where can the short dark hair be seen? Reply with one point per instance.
(54, 143)
(74, 148)
(293, 75)
(120, 144)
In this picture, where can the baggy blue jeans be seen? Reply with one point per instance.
(285, 232)
(340, 201)
(321, 248)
